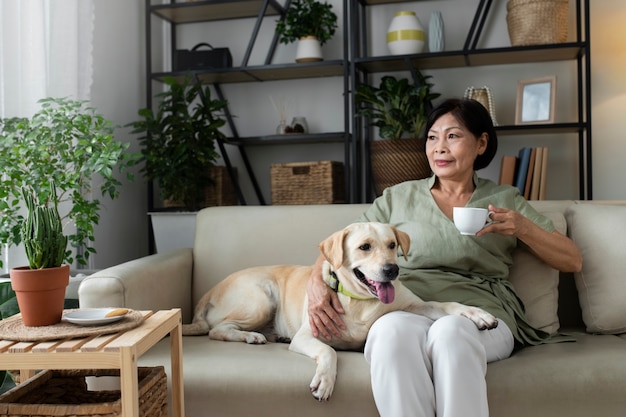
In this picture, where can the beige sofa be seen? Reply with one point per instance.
(578, 379)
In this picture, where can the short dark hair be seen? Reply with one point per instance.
(475, 118)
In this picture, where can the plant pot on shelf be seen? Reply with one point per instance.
(40, 293)
(221, 193)
(309, 50)
(395, 161)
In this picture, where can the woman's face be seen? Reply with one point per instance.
(452, 149)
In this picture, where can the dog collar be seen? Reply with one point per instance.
(336, 285)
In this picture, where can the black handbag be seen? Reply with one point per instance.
(194, 59)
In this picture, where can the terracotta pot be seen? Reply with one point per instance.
(40, 293)
(396, 161)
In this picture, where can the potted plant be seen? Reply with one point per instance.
(40, 286)
(310, 22)
(399, 109)
(68, 144)
(178, 142)
(179, 155)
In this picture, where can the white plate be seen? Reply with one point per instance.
(91, 317)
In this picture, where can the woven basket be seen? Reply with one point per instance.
(221, 193)
(65, 393)
(537, 22)
(307, 183)
(396, 161)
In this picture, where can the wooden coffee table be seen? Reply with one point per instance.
(111, 351)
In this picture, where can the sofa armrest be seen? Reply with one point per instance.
(155, 282)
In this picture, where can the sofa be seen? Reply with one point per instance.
(575, 379)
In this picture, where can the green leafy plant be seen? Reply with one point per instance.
(42, 232)
(178, 140)
(68, 144)
(397, 107)
(307, 18)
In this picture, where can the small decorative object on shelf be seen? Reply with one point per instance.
(405, 34)
(299, 125)
(280, 107)
(483, 96)
(435, 32)
(282, 127)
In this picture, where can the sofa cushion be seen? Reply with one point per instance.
(600, 233)
(536, 283)
(231, 379)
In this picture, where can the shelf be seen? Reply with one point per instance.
(213, 10)
(289, 139)
(472, 58)
(538, 129)
(274, 72)
(375, 2)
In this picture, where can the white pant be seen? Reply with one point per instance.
(426, 368)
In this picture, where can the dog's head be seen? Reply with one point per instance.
(364, 255)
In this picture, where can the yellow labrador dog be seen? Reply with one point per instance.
(360, 265)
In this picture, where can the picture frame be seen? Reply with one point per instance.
(535, 101)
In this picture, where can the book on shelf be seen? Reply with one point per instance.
(544, 172)
(522, 169)
(507, 169)
(527, 171)
(534, 194)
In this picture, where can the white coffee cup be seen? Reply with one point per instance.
(469, 220)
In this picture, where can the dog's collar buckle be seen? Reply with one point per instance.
(333, 282)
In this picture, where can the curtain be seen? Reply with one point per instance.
(45, 51)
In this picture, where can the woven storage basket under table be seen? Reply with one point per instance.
(319, 182)
(65, 393)
(537, 22)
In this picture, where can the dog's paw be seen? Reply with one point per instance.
(482, 319)
(254, 338)
(322, 387)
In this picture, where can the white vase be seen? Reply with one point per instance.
(435, 32)
(309, 50)
(405, 34)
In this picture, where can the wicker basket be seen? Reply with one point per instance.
(220, 193)
(65, 393)
(537, 22)
(307, 183)
(395, 161)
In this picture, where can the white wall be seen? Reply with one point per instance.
(118, 92)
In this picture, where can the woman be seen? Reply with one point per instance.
(425, 368)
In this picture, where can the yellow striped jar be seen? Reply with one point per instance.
(405, 34)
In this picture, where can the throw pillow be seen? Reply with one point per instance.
(537, 284)
(600, 233)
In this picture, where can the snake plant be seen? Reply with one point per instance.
(42, 232)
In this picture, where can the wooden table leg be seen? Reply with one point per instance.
(176, 345)
(26, 374)
(129, 381)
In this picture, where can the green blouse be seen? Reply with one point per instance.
(444, 265)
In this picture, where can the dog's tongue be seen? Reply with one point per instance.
(386, 291)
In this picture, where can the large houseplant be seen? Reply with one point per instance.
(69, 144)
(399, 109)
(40, 286)
(310, 22)
(178, 142)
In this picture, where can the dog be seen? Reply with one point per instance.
(269, 303)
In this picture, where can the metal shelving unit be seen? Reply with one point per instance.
(213, 10)
(470, 56)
